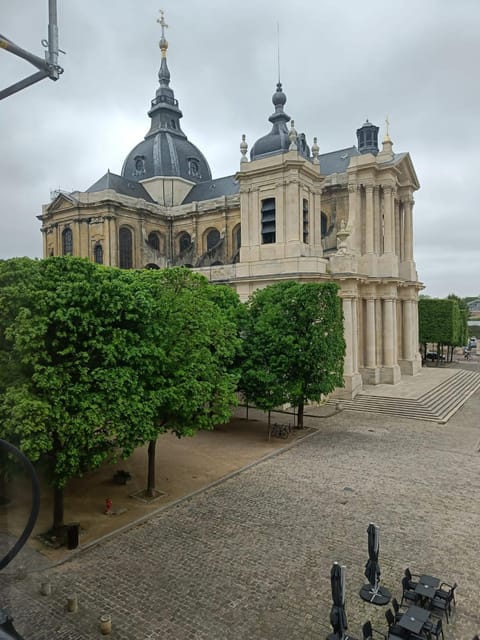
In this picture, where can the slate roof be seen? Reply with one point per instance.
(120, 185)
(336, 161)
(226, 186)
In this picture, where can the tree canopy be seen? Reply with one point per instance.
(293, 345)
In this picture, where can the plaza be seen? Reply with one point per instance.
(250, 557)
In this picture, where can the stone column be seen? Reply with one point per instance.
(391, 370)
(388, 333)
(370, 335)
(347, 319)
(397, 225)
(351, 377)
(107, 254)
(315, 217)
(408, 222)
(354, 334)
(292, 213)
(282, 193)
(407, 326)
(388, 239)
(353, 215)
(377, 221)
(114, 242)
(369, 219)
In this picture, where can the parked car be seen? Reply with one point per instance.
(433, 355)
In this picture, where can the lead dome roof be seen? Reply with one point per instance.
(165, 150)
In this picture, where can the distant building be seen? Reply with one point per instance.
(289, 212)
(474, 306)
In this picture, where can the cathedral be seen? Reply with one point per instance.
(289, 212)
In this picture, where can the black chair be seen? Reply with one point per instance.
(398, 609)
(447, 593)
(433, 627)
(411, 582)
(368, 631)
(394, 630)
(440, 606)
(408, 594)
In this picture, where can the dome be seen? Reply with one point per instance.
(277, 141)
(166, 150)
(166, 154)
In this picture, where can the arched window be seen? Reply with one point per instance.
(194, 167)
(98, 253)
(213, 238)
(154, 240)
(67, 242)
(323, 224)
(125, 248)
(184, 241)
(237, 238)
(139, 162)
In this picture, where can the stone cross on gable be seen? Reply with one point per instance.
(162, 23)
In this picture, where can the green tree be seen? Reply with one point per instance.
(70, 339)
(293, 345)
(441, 322)
(190, 342)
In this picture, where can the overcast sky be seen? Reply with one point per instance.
(341, 62)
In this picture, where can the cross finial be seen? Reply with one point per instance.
(387, 124)
(162, 23)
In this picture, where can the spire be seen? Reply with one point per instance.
(164, 73)
(165, 113)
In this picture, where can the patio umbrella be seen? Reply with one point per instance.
(338, 618)
(373, 592)
(372, 568)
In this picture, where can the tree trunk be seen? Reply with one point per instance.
(301, 406)
(57, 509)
(151, 469)
(268, 427)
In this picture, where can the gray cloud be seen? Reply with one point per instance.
(340, 63)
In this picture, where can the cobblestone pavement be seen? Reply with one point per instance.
(251, 557)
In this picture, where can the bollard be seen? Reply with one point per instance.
(108, 506)
(106, 624)
(72, 603)
(46, 588)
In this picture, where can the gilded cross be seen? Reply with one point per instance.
(387, 124)
(162, 23)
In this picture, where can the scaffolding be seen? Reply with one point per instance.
(47, 68)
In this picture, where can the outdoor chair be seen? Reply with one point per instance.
(434, 628)
(447, 593)
(394, 630)
(408, 593)
(398, 609)
(440, 606)
(411, 582)
(368, 632)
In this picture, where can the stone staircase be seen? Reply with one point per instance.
(437, 405)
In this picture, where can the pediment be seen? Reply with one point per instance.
(62, 202)
(407, 176)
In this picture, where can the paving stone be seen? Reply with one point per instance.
(249, 559)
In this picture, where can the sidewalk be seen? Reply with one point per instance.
(183, 466)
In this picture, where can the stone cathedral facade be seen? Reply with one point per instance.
(289, 212)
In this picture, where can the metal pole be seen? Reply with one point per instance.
(52, 59)
(26, 82)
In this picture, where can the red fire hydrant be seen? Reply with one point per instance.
(108, 506)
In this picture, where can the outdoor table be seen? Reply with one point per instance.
(413, 619)
(426, 587)
(431, 581)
